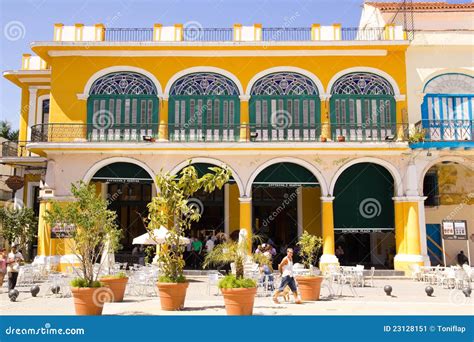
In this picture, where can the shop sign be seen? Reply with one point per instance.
(454, 230)
(62, 230)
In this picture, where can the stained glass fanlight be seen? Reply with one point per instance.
(123, 83)
(362, 83)
(284, 83)
(204, 83)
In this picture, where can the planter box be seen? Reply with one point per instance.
(172, 295)
(239, 302)
(90, 301)
(117, 285)
(310, 287)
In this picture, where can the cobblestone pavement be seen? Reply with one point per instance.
(408, 298)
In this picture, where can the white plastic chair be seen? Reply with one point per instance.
(213, 279)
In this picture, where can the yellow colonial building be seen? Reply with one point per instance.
(313, 122)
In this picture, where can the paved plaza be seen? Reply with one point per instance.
(408, 298)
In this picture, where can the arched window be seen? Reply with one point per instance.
(362, 107)
(448, 107)
(204, 107)
(285, 106)
(122, 106)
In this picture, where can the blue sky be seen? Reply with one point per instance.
(38, 16)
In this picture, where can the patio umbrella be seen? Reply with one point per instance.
(159, 237)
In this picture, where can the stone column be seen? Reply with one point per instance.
(328, 257)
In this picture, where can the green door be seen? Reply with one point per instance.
(362, 117)
(204, 118)
(122, 117)
(290, 117)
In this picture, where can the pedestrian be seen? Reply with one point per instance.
(462, 258)
(340, 254)
(287, 277)
(13, 266)
(197, 248)
(209, 244)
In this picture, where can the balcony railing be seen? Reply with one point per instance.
(446, 130)
(128, 34)
(204, 133)
(15, 149)
(287, 34)
(200, 34)
(58, 132)
(337, 132)
(70, 133)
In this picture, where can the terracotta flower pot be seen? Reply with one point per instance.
(309, 287)
(239, 302)
(172, 295)
(117, 285)
(90, 301)
(323, 139)
(341, 138)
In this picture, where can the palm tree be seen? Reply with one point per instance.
(7, 132)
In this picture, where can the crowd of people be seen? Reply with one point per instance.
(198, 246)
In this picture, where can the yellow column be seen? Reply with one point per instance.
(408, 244)
(413, 245)
(402, 120)
(44, 232)
(163, 115)
(325, 122)
(244, 118)
(399, 226)
(246, 217)
(328, 257)
(25, 105)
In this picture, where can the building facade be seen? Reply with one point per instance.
(313, 122)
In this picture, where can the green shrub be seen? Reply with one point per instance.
(119, 275)
(81, 282)
(167, 279)
(231, 282)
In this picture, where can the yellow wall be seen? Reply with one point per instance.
(70, 74)
(234, 211)
(24, 110)
(25, 98)
(312, 210)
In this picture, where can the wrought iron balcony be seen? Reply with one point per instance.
(15, 149)
(59, 132)
(70, 133)
(204, 133)
(334, 132)
(268, 34)
(445, 130)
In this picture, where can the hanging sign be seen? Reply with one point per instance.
(454, 230)
(61, 230)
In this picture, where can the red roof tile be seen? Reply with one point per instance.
(423, 6)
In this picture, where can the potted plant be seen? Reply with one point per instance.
(239, 292)
(341, 138)
(417, 135)
(117, 284)
(170, 208)
(309, 284)
(93, 230)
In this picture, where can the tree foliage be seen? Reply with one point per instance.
(170, 209)
(19, 225)
(7, 132)
(309, 246)
(94, 226)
